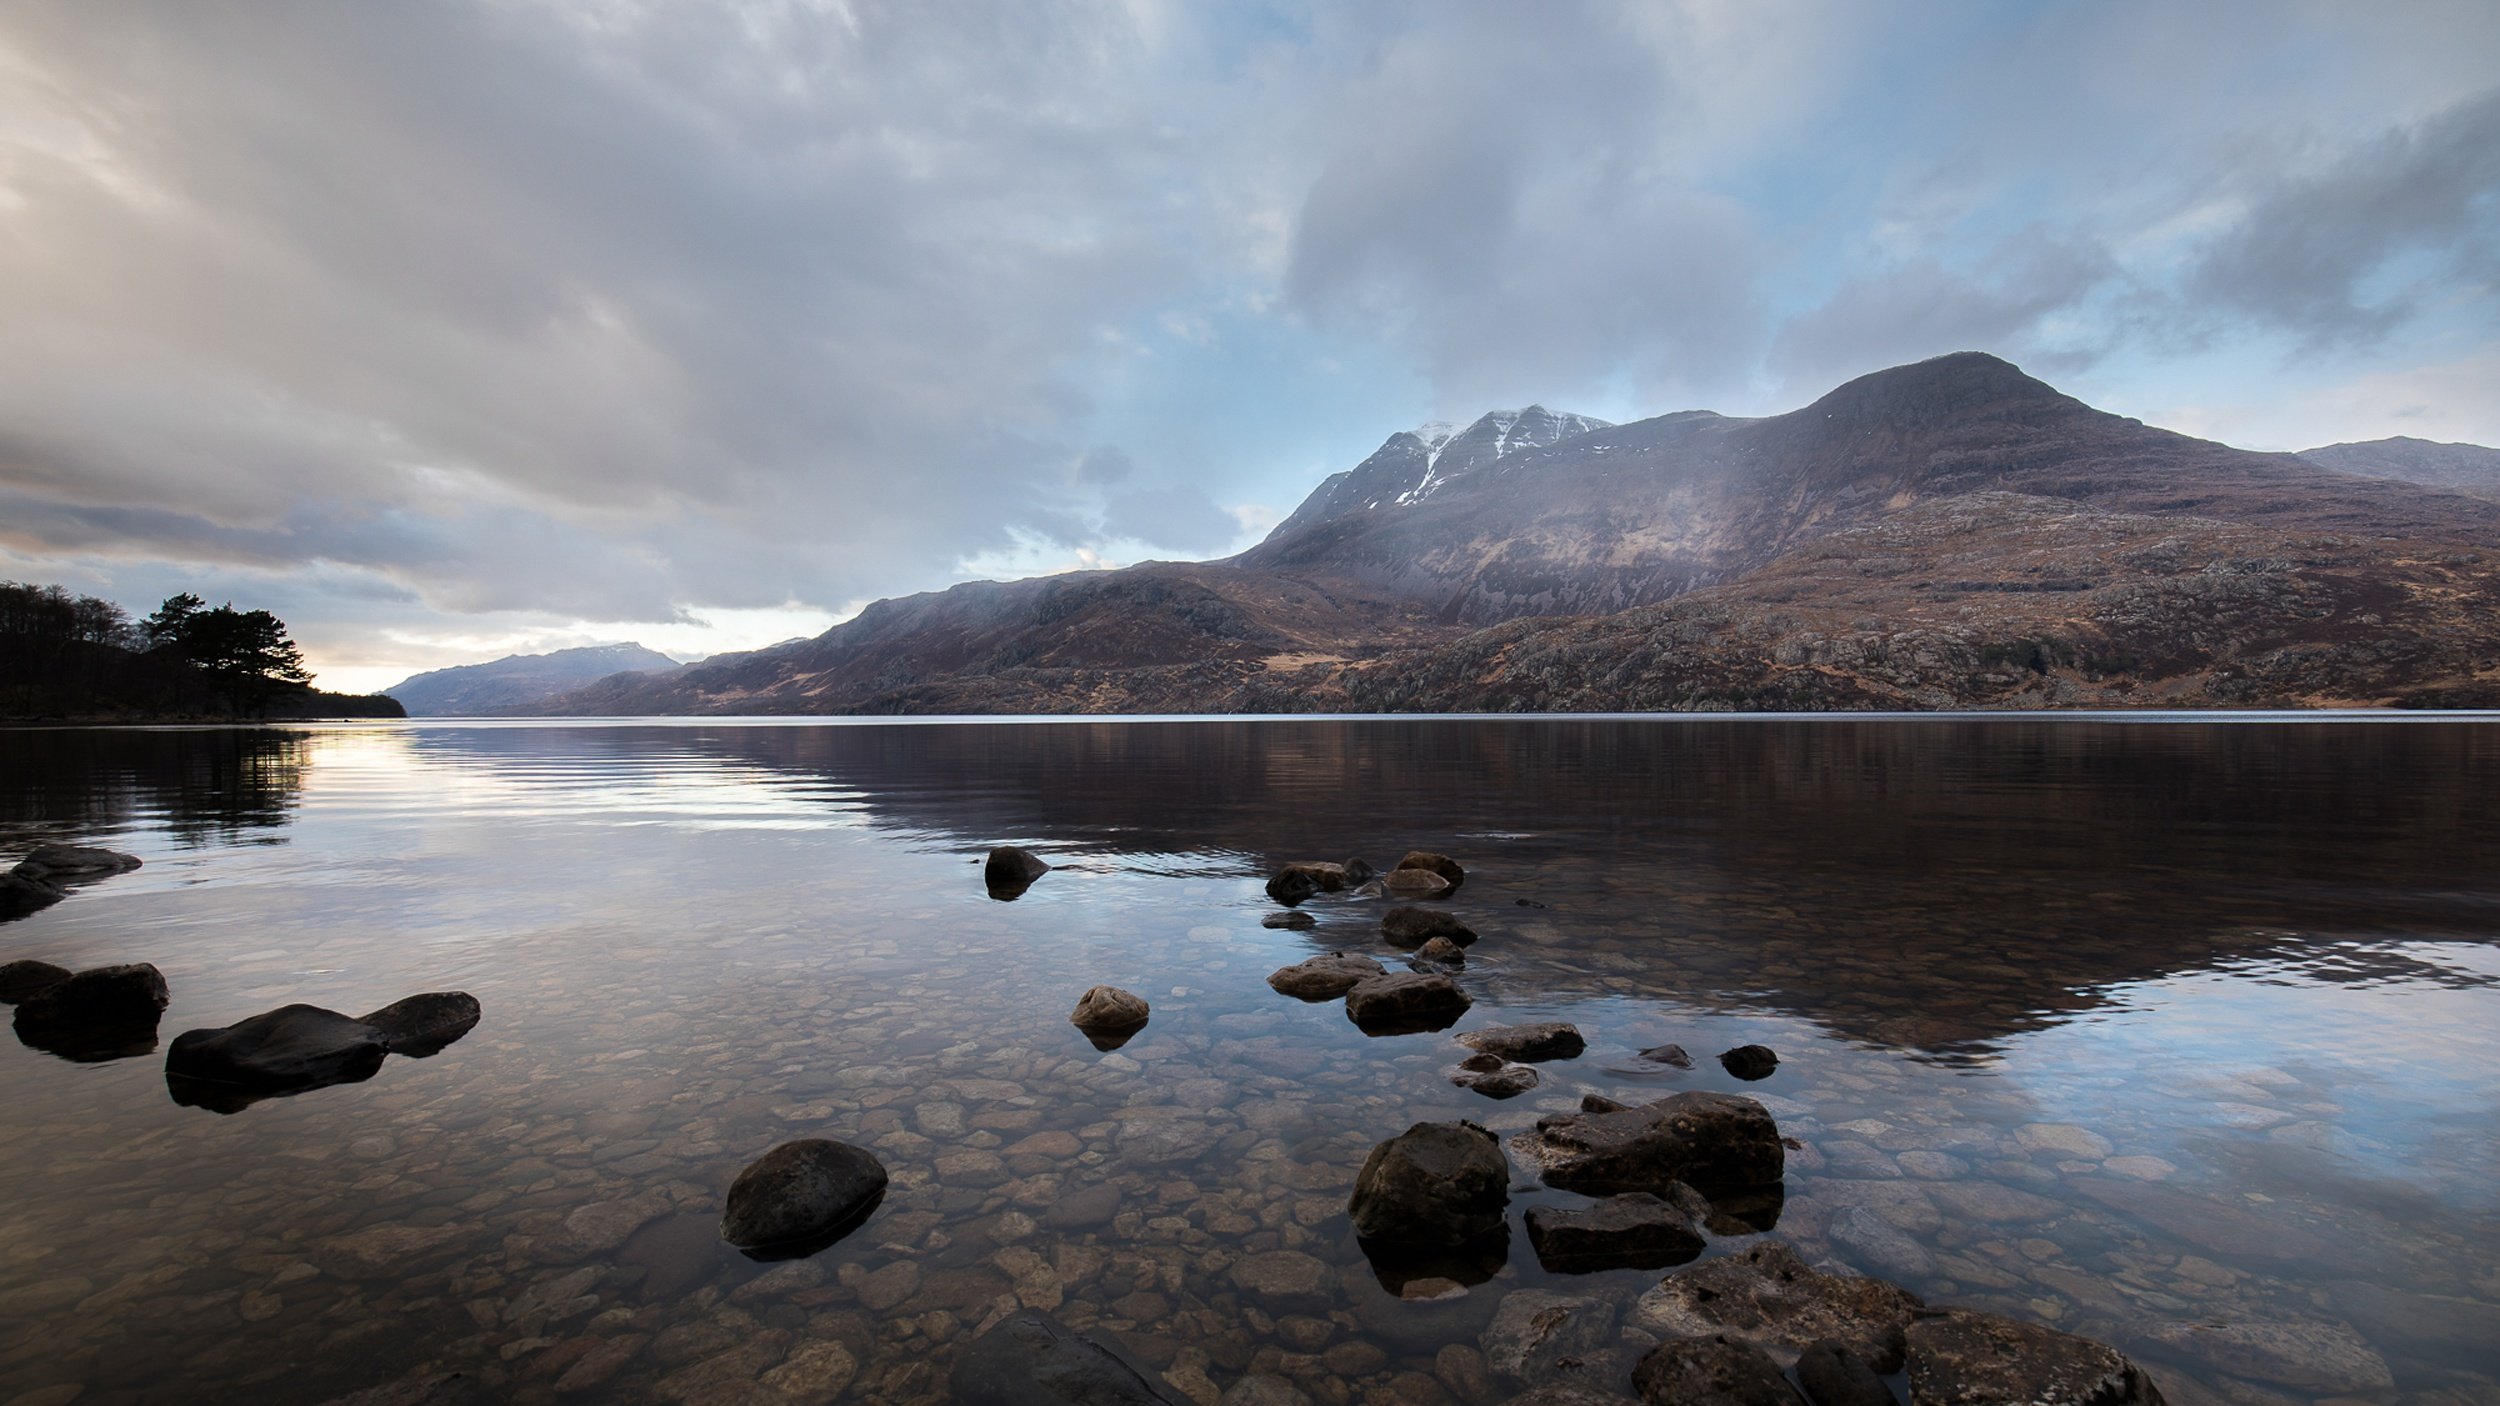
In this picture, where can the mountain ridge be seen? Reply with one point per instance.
(1700, 560)
(518, 680)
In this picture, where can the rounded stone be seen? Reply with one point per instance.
(801, 1192)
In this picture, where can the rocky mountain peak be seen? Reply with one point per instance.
(1926, 393)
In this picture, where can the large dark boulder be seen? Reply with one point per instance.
(1441, 864)
(1632, 1231)
(1412, 927)
(1009, 871)
(21, 894)
(1405, 1003)
(1965, 1358)
(1529, 1044)
(1325, 977)
(19, 980)
(1033, 1359)
(1713, 1372)
(1706, 1140)
(422, 1025)
(1435, 1183)
(1767, 1296)
(1291, 886)
(1750, 1062)
(801, 1197)
(1331, 878)
(292, 1049)
(98, 1014)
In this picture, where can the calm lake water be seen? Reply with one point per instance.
(2111, 1025)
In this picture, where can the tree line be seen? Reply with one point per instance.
(75, 655)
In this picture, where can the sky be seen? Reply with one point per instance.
(454, 329)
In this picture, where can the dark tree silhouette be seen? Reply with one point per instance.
(239, 646)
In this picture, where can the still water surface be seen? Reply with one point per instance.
(2102, 1024)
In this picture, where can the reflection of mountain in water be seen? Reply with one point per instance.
(1934, 884)
(203, 782)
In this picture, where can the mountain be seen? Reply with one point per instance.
(1953, 533)
(2467, 468)
(518, 680)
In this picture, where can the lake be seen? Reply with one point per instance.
(2108, 1024)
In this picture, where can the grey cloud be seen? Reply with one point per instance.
(1922, 307)
(1181, 517)
(1504, 197)
(2418, 208)
(1104, 464)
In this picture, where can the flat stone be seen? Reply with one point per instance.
(1635, 1230)
(1324, 977)
(1287, 1281)
(1962, 1358)
(1450, 871)
(2328, 1359)
(291, 1048)
(423, 1025)
(1668, 1054)
(1414, 883)
(2216, 1227)
(1291, 920)
(1993, 1202)
(2066, 1139)
(1767, 1296)
(1880, 1245)
(1507, 1081)
(1032, 1359)
(1527, 1043)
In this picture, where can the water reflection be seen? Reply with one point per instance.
(197, 784)
(2100, 1026)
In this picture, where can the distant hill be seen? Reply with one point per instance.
(518, 680)
(1952, 533)
(2467, 468)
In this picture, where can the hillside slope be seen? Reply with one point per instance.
(1952, 533)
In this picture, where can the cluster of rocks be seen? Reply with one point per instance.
(1756, 1328)
(48, 872)
(1424, 997)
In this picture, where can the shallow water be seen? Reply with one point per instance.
(2217, 999)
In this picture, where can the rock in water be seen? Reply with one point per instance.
(1501, 1081)
(1750, 1061)
(74, 864)
(1009, 871)
(1714, 1372)
(1331, 878)
(1032, 1359)
(1668, 1054)
(1434, 1184)
(19, 980)
(1405, 1003)
(1438, 952)
(1358, 871)
(1834, 1376)
(1415, 883)
(1537, 1337)
(418, 1026)
(1707, 1140)
(1441, 864)
(801, 1197)
(1633, 1231)
(288, 1050)
(1291, 920)
(1964, 1358)
(99, 1014)
(1409, 927)
(1767, 1296)
(1326, 977)
(1109, 1012)
(1529, 1043)
(2327, 1359)
(1291, 886)
(21, 894)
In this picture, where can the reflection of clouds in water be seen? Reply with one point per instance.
(2377, 1060)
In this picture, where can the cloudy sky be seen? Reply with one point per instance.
(451, 329)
